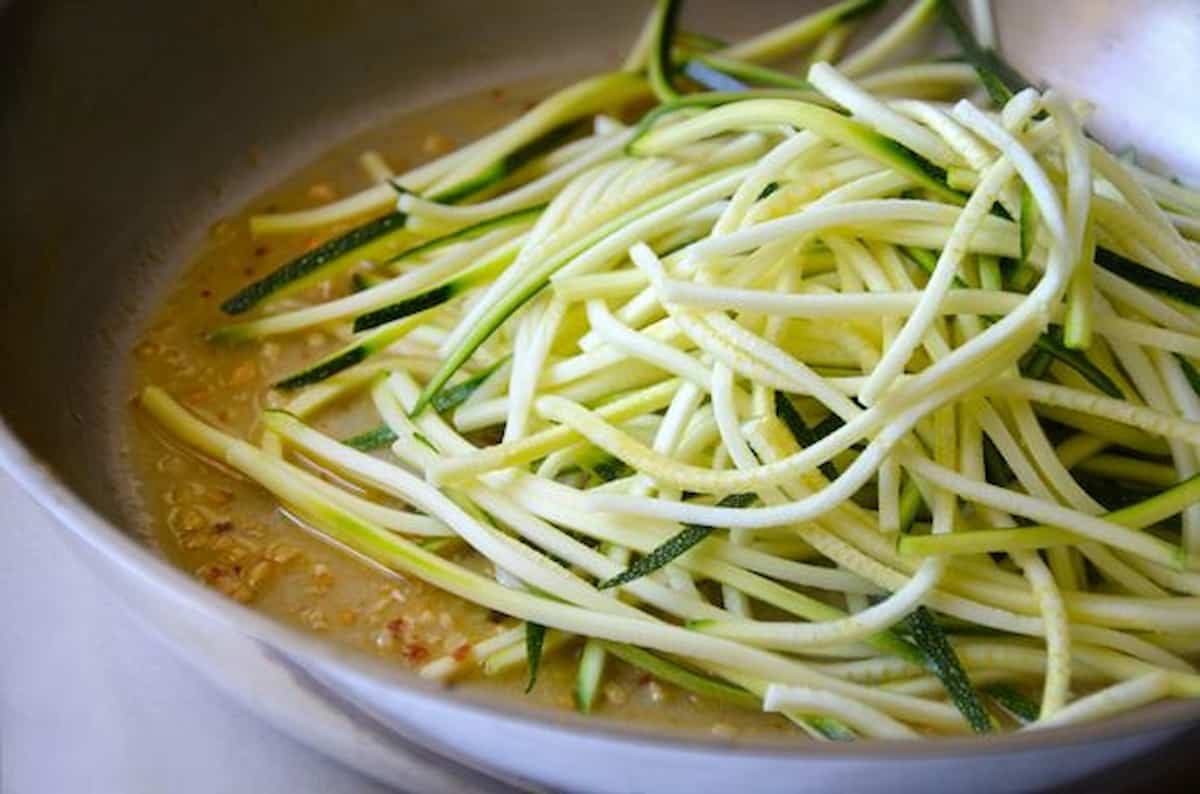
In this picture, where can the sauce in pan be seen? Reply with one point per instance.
(231, 535)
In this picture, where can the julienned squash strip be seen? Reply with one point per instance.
(617, 507)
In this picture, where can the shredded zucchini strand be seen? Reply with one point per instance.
(783, 345)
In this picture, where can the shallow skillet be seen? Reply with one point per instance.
(124, 129)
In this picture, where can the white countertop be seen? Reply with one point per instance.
(90, 702)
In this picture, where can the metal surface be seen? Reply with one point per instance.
(100, 705)
(125, 129)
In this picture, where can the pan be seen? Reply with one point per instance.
(124, 129)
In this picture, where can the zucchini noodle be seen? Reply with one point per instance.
(809, 392)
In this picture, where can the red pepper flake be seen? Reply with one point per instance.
(644, 679)
(261, 250)
(415, 653)
(400, 627)
(212, 573)
(222, 527)
(461, 652)
(498, 93)
(310, 243)
(528, 105)
(248, 271)
(205, 293)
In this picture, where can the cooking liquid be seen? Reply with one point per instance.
(232, 535)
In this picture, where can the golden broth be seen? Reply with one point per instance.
(232, 535)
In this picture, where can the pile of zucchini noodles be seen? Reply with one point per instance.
(830, 396)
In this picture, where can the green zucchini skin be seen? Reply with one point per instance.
(371, 440)
(805, 436)
(388, 331)
(943, 662)
(1027, 224)
(1143, 276)
(467, 233)
(1037, 364)
(859, 10)
(454, 396)
(535, 640)
(1052, 344)
(349, 356)
(334, 252)
(418, 303)
(316, 261)
(1008, 698)
(677, 544)
(661, 67)
(797, 110)
(344, 359)
(325, 369)
(435, 296)
(506, 165)
(999, 78)
(611, 468)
